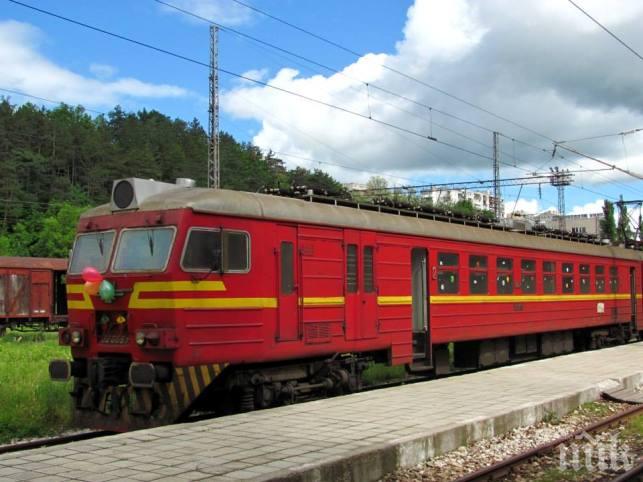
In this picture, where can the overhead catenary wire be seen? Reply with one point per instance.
(437, 89)
(24, 94)
(609, 32)
(249, 79)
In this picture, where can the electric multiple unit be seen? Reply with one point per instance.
(183, 298)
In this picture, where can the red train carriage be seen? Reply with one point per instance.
(32, 292)
(229, 300)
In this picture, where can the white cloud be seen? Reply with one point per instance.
(526, 206)
(542, 64)
(103, 71)
(23, 68)
(589, 208)
(224, 12)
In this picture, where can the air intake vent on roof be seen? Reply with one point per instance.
(130, 193)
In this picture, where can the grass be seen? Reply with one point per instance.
(596, 408)
(380, 373)
(557, 475)
(31, 405)
(634, 428)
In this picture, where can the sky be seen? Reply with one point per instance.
(539, 69)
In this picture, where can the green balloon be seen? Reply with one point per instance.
(106, 291)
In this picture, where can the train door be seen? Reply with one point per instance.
(17, 293)
(633, 298)
(368, 312)
(288, 288)
(352, 296)
(420, 304)
(3, 292)
(41, 293)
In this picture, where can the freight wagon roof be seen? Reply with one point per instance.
(264, 206)
(18, 262)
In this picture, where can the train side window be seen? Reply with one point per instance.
(584, 284)
(504, 278)
(448, 259)
(568, 267)
(287, 268)
(584, 269)
(528, 276)
(478, 280)
(214, 250)
(448, 281)
(202, 251)
(2, 302)
(614, 279)
(599, 284)
(477, 262)
(351, 268)
(599, 270)
(369, 280)
(549, 277)
(236, 251)
(504, 263)
(568, 284)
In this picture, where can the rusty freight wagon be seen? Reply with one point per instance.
(32, 293)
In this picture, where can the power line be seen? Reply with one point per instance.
(255, 81)
(602, 136)
(437, 89)
(16, 92)
(607, 30)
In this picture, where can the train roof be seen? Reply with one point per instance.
(19, 262)
(269, 207)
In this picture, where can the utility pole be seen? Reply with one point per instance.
(559, 179)
(214, 168)
(496, 175)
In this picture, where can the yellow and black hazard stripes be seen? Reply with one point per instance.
(187, 384)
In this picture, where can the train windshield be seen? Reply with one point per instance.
(92, 249)
(144, 249)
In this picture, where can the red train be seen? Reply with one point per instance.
(32, 293)
(231, 300)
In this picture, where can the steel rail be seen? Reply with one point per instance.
(504, 467)
(50, 442)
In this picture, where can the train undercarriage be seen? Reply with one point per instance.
(112, 393)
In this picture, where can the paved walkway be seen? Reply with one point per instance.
(356, 437)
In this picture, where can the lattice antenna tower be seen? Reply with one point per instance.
(497, 203)
(560, 178)
(214, 167)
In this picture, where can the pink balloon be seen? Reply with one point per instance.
(91, 287)
(92, 275)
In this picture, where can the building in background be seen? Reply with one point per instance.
(482, 200)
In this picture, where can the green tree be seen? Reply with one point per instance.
(608, 223)
(623, 230)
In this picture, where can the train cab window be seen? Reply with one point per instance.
(614, 279)
(504, 277)
(143, 249)
(549, 277)
(528, 276)
(351, 268)
(287, 268)
(216, 251)
(369, 279)
(91, 249)
(478, 280)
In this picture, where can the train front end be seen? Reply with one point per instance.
(123, 333)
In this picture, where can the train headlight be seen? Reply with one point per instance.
(120, 319)
(76, 337)
(140, 338)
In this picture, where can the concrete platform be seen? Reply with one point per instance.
(357, 437)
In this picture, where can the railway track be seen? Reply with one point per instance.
(506, 467)
(51, 441)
